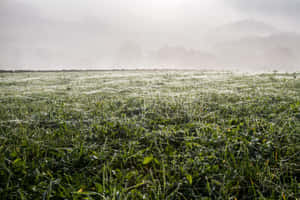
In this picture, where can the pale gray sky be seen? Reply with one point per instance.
(112, 33)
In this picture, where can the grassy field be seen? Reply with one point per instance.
(149, 135)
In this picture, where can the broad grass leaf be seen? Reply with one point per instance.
(189, 178)
(147, 160)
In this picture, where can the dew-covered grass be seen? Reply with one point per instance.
(149, 135)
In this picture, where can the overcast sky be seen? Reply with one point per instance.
(105, 32)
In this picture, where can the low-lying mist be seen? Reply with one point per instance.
(139, 34)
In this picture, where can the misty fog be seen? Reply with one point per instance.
(114, 34)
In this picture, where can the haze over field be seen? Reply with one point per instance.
(206, 34)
